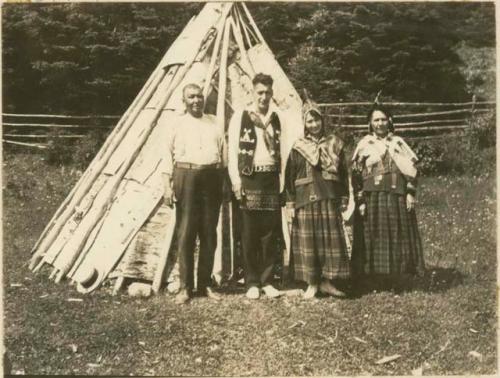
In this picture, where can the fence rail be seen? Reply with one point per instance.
(416, 120)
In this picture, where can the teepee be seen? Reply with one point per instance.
(113, 224)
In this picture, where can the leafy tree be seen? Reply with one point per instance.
(84, 58)
(354, 50)
(89, 58)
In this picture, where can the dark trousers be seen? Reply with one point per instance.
(199, 196)
(259, 245)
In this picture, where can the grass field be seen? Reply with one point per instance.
(433, 328)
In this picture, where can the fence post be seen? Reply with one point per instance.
(471, 126)
(472, 112)
(341, 113)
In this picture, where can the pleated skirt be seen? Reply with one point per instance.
(386, 239)
(318, 243)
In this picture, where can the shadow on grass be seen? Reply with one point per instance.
(434, 280)
(437, 279)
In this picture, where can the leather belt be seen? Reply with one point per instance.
(265, 168)
(196, 166)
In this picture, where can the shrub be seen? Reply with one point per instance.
(59, 150)
(64, 151)
(86, 148)
(431, 156)
(465, 152)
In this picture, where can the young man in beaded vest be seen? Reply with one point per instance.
(254, 163)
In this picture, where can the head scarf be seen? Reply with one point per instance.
(320, 150)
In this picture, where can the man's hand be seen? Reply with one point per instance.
(410, 202)
(238, 193)
(362, 209)
(169, 197)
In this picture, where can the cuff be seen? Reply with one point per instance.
(236, 187)
(411, 188)
(344, 201)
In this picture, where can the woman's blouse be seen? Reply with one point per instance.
(383, 176)
(305, 184)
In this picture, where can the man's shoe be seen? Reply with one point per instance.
(253, 293)
(182, 297)
(310, 292)
(271, 291)
(326, 287)
(211, 294)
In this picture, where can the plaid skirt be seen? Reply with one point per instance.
(318, 243)
(386, 239)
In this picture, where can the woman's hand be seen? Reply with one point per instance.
(410, 202)
(290, 214)
(362, 209)
(344, 204)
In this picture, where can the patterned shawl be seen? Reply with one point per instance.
(371, 149)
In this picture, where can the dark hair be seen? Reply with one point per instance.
(383, 109)
(262, 78)
(190, 86)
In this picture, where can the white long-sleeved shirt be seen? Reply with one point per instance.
(261, 156)
(193, 140)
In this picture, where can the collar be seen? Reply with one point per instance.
(264, 117)
(387, 138)
(311, 138)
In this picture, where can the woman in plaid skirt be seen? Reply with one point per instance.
(387, 242)
(317, 189)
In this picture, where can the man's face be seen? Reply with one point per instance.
(262, 96)
(193, 99)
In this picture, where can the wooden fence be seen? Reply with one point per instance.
(415, 120)
(35, 130)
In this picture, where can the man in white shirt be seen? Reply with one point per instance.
(254, 167)
(193, 179)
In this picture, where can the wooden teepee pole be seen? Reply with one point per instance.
(66, 210)
(213, 59)
(254, 25)
(243, 51)
(220, 113)
(117, 178)
(242, 26)
(223, 75)
(148, 88)
(165, 248)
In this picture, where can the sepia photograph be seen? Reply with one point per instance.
(249, 188)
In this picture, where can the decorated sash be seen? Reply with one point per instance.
(371, 150)
(248, 140)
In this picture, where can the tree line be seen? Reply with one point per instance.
(88, 58)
